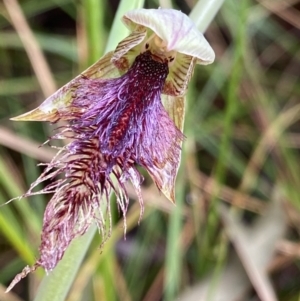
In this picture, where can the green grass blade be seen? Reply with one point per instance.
(12, 188)
(204, 12)
(94, 14)
(201, 15)
(55, 286)
(225, 151)
(10, 228)
(173, 252)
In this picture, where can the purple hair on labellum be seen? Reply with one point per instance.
(118, 123)
(126, 110)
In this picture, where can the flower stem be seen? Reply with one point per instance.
(204, 12)
(94, 15)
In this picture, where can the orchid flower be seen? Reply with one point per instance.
(126, 110)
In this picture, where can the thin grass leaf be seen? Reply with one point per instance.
(26, 212)
(173, 252)
(11, 229)
(204, 12)
(94, 21)
(56, 44)
(225, 150)
(55, 286)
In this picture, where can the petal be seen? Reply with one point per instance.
(126, 51)
(176, 29)
(180, 74)
(175, 107)
(55, 106)
(162, 144)
(165, 179)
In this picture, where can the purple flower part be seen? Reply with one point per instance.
(116, 124)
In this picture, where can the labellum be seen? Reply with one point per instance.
(125, 110)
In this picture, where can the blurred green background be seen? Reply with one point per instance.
(234, 233)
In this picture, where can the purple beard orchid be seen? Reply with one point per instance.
(125, 110)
